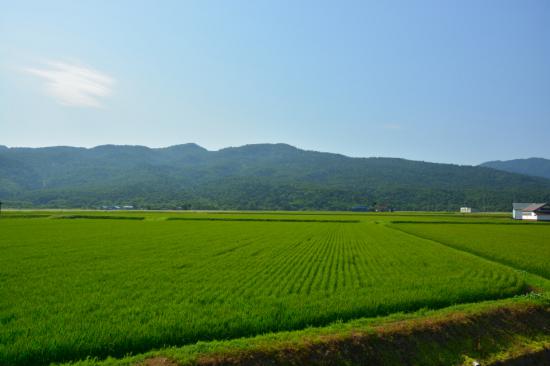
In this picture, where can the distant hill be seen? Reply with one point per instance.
(262, 176)
(537, 167)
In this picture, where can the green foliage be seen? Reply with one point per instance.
(95, 287)
(252, 177)
(537, 167)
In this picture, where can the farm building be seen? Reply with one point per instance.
(531, 211)
(465, 210)
(517, 209)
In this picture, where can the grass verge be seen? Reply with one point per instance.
(489, 332)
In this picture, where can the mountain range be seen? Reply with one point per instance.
(250, 177)
(537, 167)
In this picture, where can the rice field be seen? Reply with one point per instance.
(89, 286)
(521, 245)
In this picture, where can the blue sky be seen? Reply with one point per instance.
(444, 81)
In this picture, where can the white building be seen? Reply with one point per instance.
(465, 210)
(531, 211)
(517, 209)
(537, 212)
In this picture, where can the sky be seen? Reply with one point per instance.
(443, 81)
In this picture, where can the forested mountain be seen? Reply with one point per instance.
(537, 167)
(262, 176)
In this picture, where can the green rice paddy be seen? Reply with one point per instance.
(523, 246)
(86, 286)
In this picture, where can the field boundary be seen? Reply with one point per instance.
(538, 279)
(24, 216)
(260, 220)
(98, 217)
(397, 222)
(360, 347)
(491, 333)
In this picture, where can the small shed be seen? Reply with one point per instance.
(465, 210)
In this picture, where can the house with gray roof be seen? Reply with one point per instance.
(531, 211)
(517, 209)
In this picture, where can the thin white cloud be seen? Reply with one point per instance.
(74, 85)
(392, 126)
